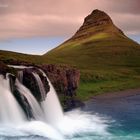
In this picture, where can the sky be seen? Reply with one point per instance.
(37, 26)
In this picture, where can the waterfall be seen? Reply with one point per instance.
(10, 110)
(51, 105)
(49, 121)
(20, 76)
(37, 111)
(48, 110)
(40, 85)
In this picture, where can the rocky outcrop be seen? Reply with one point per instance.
(5, 69)
(66, 81)
(97, 22)
(30, 82)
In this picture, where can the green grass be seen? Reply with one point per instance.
(89, 89)
(8, 56)
(107, 79)
(106, 62)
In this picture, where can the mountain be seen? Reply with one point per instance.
(107, 58)
(96, 22)
(98, 41)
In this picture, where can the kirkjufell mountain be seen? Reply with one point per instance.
(107, 59)
(99, 58)
(98, 42)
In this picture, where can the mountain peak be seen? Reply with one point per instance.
(96, 22)
(98, 12)
(97, 18)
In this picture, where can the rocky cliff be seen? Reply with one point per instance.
(97, 22)
(64, 79)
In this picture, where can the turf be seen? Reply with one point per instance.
(107, 63)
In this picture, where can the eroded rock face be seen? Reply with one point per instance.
(97, 22)
(5, 69)
(65, 80)
(30, 82)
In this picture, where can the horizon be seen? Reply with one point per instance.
(45, 26)
(47, 44)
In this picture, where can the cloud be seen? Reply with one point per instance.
(24, 19)
(128, 22)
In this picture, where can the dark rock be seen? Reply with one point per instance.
(97, 22)
(5, 69)
(65, 81)
(24, 104)
(30, 82)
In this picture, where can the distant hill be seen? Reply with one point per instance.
(8, 57)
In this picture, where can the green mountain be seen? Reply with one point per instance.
(107, 58)
(98, 42)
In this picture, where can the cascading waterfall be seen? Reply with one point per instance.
(37, 112)
(49, 120)
(20, 76)
(10, 110)
(40, 85)
(51, 105)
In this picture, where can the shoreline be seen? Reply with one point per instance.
(116, 94)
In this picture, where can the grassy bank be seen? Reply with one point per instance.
(93, 83)
(89, 89)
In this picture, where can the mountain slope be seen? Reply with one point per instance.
(8, 57)
(107, 58)
(97, 41)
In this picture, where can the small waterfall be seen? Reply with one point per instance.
(48, 110)
(10, 110)
(37, 111)
(20, 76)
(51, 106)
(50, 122)
(40, 85)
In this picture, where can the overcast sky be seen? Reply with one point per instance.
(35, 26)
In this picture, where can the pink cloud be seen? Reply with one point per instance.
(22, 18)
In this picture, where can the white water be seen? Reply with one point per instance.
(55, 126)
(37, 111)
(10, 110)
(20, 67)
(40, 85)
(75, 123)
(51, 105)
(20, 76)
(52, 109)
